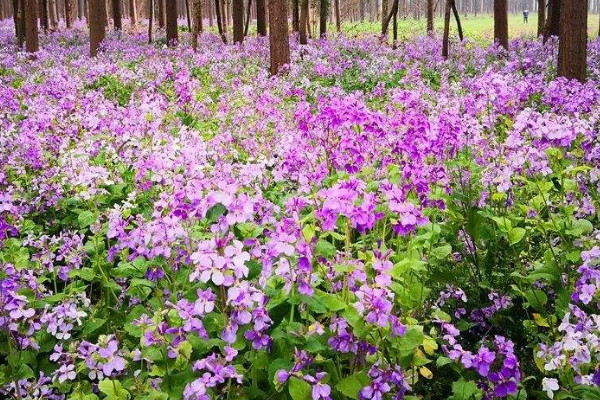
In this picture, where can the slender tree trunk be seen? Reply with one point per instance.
(133, 12)
(248, 15)
(323, 17)
(52, 14)
(446, 38)
(541, 17)
(384, 14)
(572, 47)
(303, 22)
(218, 10)
(117, 15)
(394, 11)
(171, 20)
(19, 20)
(553, 20)
(150, 19)
(238, 21)
(430, 6)
(338, 22)
(296, 15)
(188, 15)
(225, 16)
(501, 23)
(161, 14)
(97, 16)
(261, 18)
(457, 18)
(395, 31)
(68, 13)
(279, 36)
(196, 22)
(44, 15)
(31, 26)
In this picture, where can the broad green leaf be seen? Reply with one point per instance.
(86, 218)
(299, 389)
(515, 235)
(352, 385)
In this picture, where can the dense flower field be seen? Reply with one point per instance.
(375, 224)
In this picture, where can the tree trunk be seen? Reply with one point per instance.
(161, 14)
(31, 26)
(446, 38)
(338, 22)
(196, 22)
(218, 10)
(553, 20)
(303, 37)
(171, 20)
(261, 18)
(68, 13)
(323, 17)
(248, 15)
(501, 23)
(572, 47)
(44, 15)
(457, 18)
(117, 15)
(97, 24)
(394, 11)
(430, 17)
(395, 30)
(278, 37)
(541, 17)
(150, 19)
(384, 14)
(133, 12)
(52, 14)
(238, 21)
(19, 20)
(188, 15)
(296, 15)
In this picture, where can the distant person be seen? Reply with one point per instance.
(526, 16)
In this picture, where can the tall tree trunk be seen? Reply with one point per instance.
(97, 24)
(150, 19)
(248, 15)
(224, 16)
(44, 15)
(196, 22)
(501, 22)
(296, 15)
(457, 18)
(188, 15)
(171, 20)
(31, 26)
(261, 18)
(553, 20)
(68, 13)
(395, 31)
(430, 6)
(303, 37)
(338, 22)
(238, 21)
(572, 47)
(52, 14)
(541, 17)
(161, 14)
(446, 38)
(278, 37)
(384, 14)
(218, 10)
(323, 17)
(133, 12)
(19, 19)
(117, 15)
(394, 11)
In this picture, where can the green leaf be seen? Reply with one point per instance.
(410, 341)
(515, 235)
(333, 302)
(113, 390)
(536, 298)
(441, 252)
(352, 385)
(308, 232)
(299, 389)
(86, 218)
(325, 249)
(93, 324)
(465, 390)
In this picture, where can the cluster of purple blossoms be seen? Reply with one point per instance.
(215, 371)
(303, 360)
(384, 381)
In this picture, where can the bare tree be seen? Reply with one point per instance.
(338, 23)
(501, 22)
(541, 17)
(218, 11)
(261, 18)
(97, 16)
(430, 7)
(196, 22)
(117, 15)
(150, 19)
(171, 20)
(238, 21)
(279, 36)
(323, 13)
(132, 12)
(68, 13)
(304, 9)
(31, 26)
(553, 21)
(572, 48)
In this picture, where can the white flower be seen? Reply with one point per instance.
(550, 385)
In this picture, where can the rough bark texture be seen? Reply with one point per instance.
(196, 22)
(338, 22)
(393, 12)
(19, 20)
(446, 37)
(171, 21)
(323, 13)
(97, 16)
(541, 17)
(553, 20)
(161, 14)
(238, 21)
(303, 34)
(218, 10)
(133, 12)
(44, 15)
(279, 37)
(384, 14)
(501, 22)
(31, 26)
(68, 13)
(150, 19)
(461, 36)
(117, 15)
(572, 48)
(430, 6)
(261, 18)
(296, 15)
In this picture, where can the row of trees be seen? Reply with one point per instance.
(566, 19)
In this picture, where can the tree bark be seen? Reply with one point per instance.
(97, 24)
(261, 18)
(161, 14)
(501, 22)
(150, 19)
(278, 37)
(303, 36)
(394, 11)
(171, 20)
(541, 17)
(248, 15)
(572, 47)
(19, 20)
(218, 10)
(384, 14)
(196, 22)
(430, 27)
(44, 15)
(68, 13)
(461, 36)
(323, 17)
(188, 15)
(553, 20)
(296, 15)
(117, 15)
(31, 26)
(238, 21)
(446, 38)
(338, 22)
(133, 12)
